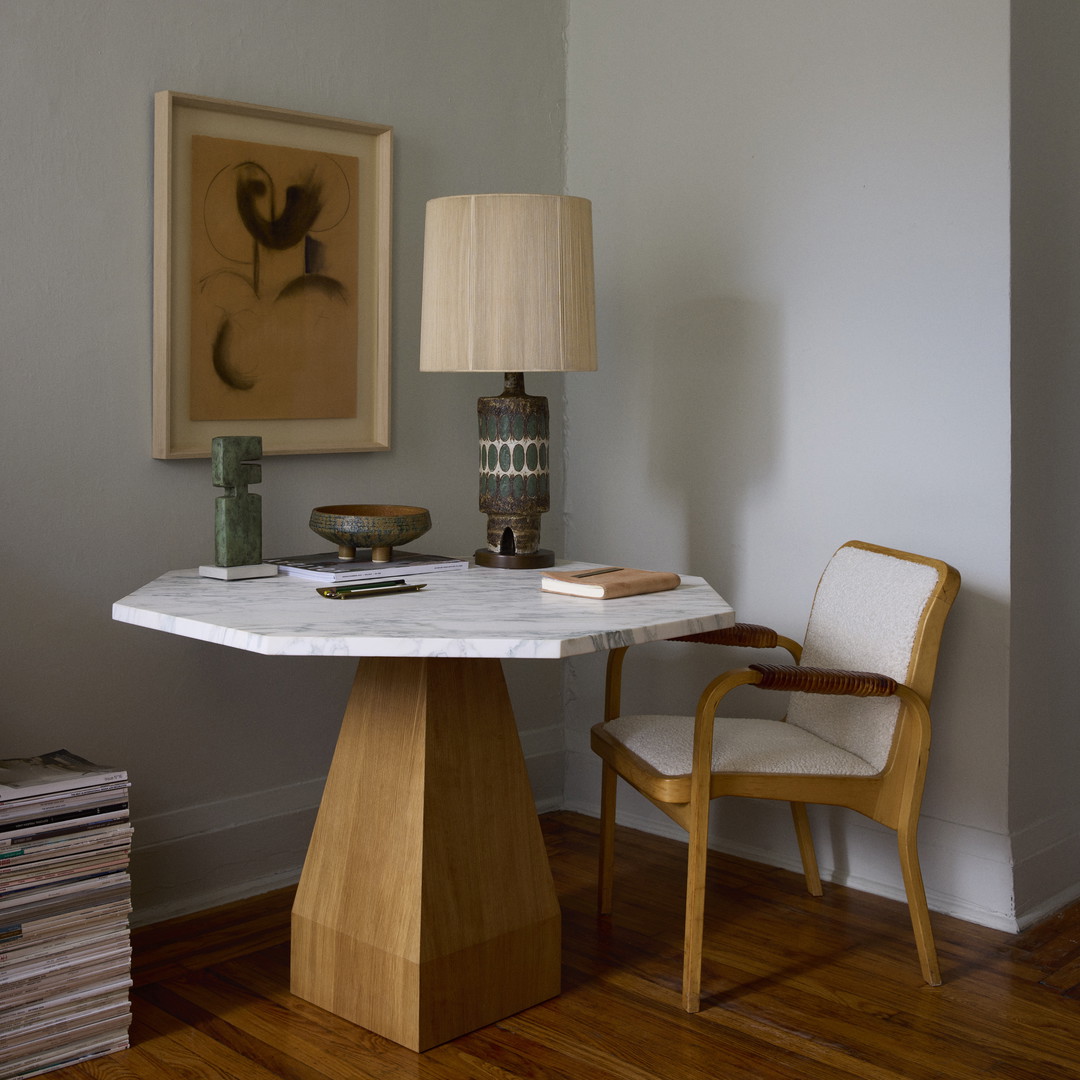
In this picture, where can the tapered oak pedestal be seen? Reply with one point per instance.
(426, 907)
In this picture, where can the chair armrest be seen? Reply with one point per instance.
(747, 635)
(810, 680)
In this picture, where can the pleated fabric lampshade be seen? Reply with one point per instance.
(508, 286)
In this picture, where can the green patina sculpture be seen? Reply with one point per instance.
(238, 513)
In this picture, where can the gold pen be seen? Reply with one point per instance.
(368, 588)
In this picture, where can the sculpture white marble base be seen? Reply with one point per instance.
(239, 573)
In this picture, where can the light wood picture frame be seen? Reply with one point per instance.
(272, 234)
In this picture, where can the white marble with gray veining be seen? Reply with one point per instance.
(476, 612)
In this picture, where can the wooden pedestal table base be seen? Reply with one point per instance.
(426, 907)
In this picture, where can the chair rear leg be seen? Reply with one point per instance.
(916, 897)
(605, 879)
(806, 848)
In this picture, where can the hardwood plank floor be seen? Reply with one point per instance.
(795, 988)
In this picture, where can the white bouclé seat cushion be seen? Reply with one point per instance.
(739, 745)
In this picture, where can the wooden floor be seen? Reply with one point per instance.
(796, 988)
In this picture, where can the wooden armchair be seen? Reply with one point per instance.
(856, 733)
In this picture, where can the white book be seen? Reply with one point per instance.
(56, 953)
(72, 1055)
(82, 919)
(65, 845)
(21, 877)
(62, 1003)
(72, 822)
(105, 890)
(59, 770)
(12, 903)
(90, 1010)
(61, 802)
(42, 987)
(56, 1051)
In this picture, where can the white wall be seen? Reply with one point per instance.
(1044, 812)
(226, 750)
(802, 230)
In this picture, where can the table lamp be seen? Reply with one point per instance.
(508, 286)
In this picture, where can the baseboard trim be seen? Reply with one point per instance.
(1046, 855)
(199, 857)
(939, 848)
(191, 903)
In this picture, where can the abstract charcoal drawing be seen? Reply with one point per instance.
(274, 282)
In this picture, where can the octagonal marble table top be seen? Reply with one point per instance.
(477, 612)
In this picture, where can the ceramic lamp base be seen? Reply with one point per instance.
(514, 476)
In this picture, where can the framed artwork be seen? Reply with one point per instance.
(271, 278)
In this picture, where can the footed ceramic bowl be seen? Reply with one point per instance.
(381, 528)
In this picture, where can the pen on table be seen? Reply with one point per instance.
(367, 588)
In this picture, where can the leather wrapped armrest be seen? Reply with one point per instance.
(747, 635)
(810, 680)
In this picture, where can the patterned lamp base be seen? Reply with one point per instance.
(514, 476)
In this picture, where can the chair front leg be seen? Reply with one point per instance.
(906, 836)
(915, 738)
(693, 931)
(698, 827)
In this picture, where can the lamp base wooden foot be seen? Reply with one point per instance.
(426, 907)
(536, 560)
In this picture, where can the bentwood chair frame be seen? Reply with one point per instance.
(892, 796)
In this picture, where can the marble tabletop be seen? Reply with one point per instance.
(465, 613)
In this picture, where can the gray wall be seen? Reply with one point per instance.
(802, 225)
(226, 750)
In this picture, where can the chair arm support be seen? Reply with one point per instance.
(824, 681)
(747, 635)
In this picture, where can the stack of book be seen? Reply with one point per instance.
(329, 569)
(65, 897)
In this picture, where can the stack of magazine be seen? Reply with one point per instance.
(65, 897)
(329, 569)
